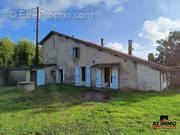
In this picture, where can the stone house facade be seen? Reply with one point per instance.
(87, 64)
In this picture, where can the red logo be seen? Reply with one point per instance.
(164, 122)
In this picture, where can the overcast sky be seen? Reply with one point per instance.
(117, 21)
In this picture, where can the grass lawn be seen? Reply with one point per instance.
(53, 110)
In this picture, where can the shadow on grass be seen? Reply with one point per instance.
(52, 98)
(45, 99)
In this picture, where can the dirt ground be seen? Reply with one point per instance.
(95, 96)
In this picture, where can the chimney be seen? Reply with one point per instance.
(130, 47)
(102, 41)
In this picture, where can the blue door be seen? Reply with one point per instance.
(77, 76)
(115, 83)
(40, 77)
(98, 78)
(60, 76)
(88, 76)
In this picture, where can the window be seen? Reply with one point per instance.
(76, 53)
(83, 73)
(106, 74)
(54, 43)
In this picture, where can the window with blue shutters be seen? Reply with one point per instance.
(76, 53)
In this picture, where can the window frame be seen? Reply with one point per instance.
(76, 53)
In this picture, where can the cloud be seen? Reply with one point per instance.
(120, 47)
(55, 5)
(118, 9)
(59, 5)
(158, 29)
(138, 50)
(116, 46)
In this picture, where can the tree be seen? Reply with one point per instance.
(6, 52)
(25, 52)
(40, 55)
(151, 57)
(169, 50)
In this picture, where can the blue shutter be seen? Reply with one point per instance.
(98, 78)
(77, 76)
(88, 76)
(115, 83)
(40, 77)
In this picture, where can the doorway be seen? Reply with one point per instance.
(107, 77)
(60, 76)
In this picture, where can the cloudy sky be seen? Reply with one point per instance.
(117, 21)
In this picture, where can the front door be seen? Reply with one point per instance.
(98, 78)
(107, 77)
(40, 77)
(60, 76)
(77, 75)
(114, 78)
(88, 76)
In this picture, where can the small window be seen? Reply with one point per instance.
(76, 53)
(54, 43)
(83, 73)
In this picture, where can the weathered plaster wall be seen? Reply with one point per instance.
(60, 53)
(16, 76)
(50, 74)
(148, 78)
(165, 80)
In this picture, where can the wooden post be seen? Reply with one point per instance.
(37, 38)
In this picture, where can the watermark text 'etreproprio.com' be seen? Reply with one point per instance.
(52, 15)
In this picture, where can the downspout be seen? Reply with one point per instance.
(160, 82)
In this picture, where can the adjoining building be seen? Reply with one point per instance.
(40, 74)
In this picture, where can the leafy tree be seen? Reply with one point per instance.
(6, 52)
(151, 57)
(25, 52)
(40, 55)
(169, 50)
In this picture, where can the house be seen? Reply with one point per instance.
(87, 64)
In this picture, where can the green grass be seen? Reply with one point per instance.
(53, 110)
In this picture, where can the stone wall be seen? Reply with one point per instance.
(16, 76)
